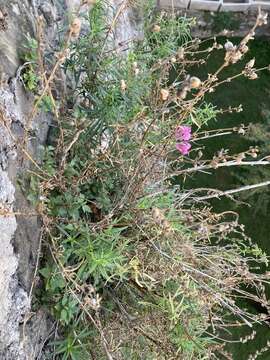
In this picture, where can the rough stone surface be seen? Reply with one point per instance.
(128, 26)
(13, 300)
(20, 234)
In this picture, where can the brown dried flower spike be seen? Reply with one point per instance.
(123, 85)
(75, 27)
(249, 72)
(164, 94)
(262, 18)
(181, 54)
(194, 82)
(156, 28)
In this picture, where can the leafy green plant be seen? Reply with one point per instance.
(30, 79)
(73, 346)
(30, 57)
(203, 115)
(31, 73)
(126, 254)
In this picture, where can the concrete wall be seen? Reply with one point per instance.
(215, 5)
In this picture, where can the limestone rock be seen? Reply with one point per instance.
(19, 235)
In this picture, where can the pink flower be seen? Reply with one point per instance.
(183, 147)
(183, 133)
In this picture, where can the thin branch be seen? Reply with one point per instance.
(219, 165)
(220, 193)
(214, 135)
(70, 145)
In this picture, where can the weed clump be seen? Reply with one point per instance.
(133, 266)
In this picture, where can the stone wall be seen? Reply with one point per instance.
(216, 5)
(19, 235)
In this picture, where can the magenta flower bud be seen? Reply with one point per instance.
(183, 147)
(183, 133)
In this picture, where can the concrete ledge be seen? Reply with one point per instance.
(265, 5)
(205, 5)
(214, 5)
(177, 4)
(235, 7)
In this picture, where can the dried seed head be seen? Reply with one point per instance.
(229, 46)
(183, 93)
(212, 77)
(253, 75)
(233, 56)
(241, 131)
(249, 36)
(135, 68)
(254, 155)
(239, 158)
(158, 215)
(244, 49)
(75, 27)
(160, 219)
(173, 60)
(136, 71)
(224, 32)
(194, 82)
(250, 64)
(123, 85)
(240, 109)
(156, 28)
(164, 94)
(219, 47)
(249, 71)
(262, 18)
(180, 53)
(254, 149)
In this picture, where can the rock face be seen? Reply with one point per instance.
(19, 234)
